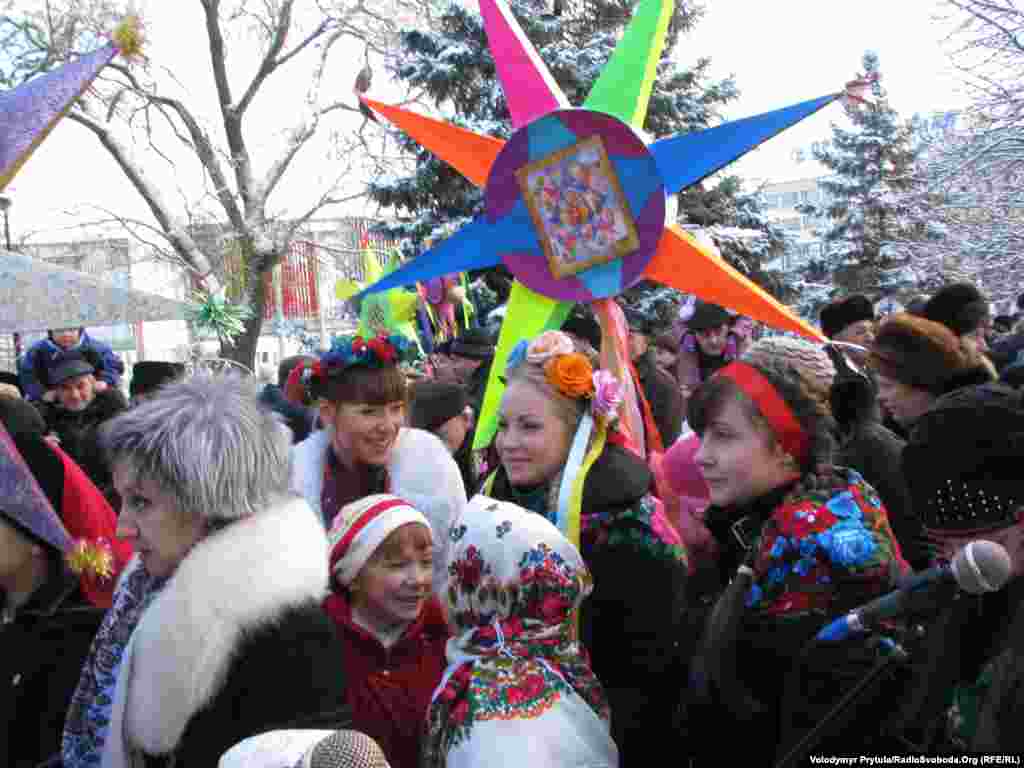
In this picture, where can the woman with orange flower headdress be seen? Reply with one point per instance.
(561, 458)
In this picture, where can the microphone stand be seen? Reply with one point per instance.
(885, 666)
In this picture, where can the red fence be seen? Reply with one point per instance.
(299, 284)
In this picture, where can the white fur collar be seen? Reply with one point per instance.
(418, 462)
(240, 577)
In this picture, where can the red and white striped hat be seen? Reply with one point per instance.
(360, 527)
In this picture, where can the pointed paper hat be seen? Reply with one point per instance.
(24, 502)
(576, 198)
(29, 112)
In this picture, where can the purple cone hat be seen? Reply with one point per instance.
(23, 501)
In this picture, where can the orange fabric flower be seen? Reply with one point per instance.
(570, 374)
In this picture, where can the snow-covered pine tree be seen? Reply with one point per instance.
(452, 66)
(871, 164)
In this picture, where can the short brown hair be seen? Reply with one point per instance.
(709, 399)
(411, 536)
(361, 384)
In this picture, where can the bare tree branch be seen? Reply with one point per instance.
(175, 234)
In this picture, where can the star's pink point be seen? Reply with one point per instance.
(530, 90)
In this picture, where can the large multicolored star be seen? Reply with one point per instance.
(576, 199)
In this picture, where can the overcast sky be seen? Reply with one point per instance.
(781, 53)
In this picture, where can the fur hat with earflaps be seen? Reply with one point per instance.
(917, 352)
(841, 314)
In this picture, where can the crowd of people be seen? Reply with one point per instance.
(208, 573)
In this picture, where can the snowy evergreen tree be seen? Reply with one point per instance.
(736, 223)
(872, 167)
(451, 65)
(968, 198)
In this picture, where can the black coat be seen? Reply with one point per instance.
(877, 453)
(300, 420)
(663, 395)
(234, 644)
(79, 433)
(286, 674)
(41, 656)
(630, 624)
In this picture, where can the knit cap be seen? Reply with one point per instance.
(810, 360)
(435, 402)
(963, 462)
(362, 526)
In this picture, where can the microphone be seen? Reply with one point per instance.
(345, 749)
(304, 748)
(979, 567)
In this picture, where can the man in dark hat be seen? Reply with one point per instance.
(964, 310)
(963, 470)
(659, 388)
(704, 348)
(443, 408)
(850, 320)
(79, 410)
(582, 326)
(36, 361)
(149, 375)
(470, 356)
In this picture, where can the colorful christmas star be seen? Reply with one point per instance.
(576, 199)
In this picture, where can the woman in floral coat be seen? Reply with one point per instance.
(518, 689)
(800, 542)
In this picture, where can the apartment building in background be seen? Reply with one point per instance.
(780, 201)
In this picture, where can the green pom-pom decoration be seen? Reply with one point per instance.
(209, 313)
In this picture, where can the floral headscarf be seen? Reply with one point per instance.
(519, 688)
(88, 720)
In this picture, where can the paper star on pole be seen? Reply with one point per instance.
(576, 199)
(29, 112)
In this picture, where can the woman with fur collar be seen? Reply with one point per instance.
(365, 448)
(216, 632)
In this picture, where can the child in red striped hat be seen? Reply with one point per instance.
(391, 626)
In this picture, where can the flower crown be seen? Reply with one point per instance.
(349, 351)
(570, 372)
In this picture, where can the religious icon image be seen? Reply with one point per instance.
(576, 202)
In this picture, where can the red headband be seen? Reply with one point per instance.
(341, 548)
(774, 409)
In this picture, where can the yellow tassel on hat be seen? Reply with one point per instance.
(129, 36)
(91, 558)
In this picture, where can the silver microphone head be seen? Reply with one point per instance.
(981, 566)
(345, 749)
